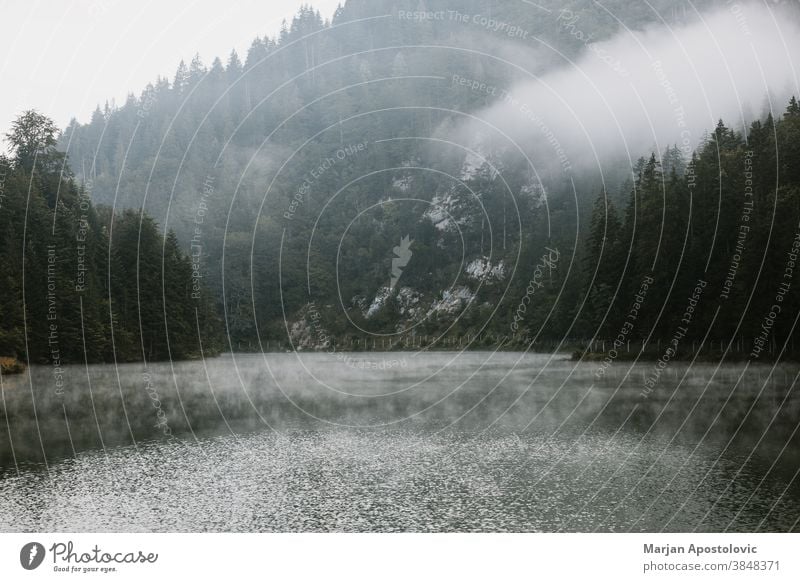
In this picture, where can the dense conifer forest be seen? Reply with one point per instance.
(80, 284)
(257, 203)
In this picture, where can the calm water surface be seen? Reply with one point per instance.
(400, 442)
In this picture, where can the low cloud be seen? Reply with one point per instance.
(657, 87)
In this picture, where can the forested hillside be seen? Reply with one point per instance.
(80, 284)
(318, 189)
(713, 240)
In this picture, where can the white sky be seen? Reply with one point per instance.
(64, 57)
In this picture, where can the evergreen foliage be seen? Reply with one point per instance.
(80, 283)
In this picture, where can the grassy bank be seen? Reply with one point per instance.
(11, 366)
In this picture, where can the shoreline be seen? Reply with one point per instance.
(699, 358)
(567, 353)
(12, 366)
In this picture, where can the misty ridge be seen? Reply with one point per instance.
(257, 203)
(608, 78)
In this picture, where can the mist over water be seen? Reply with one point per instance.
(436, 442)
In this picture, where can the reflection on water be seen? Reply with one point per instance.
(399, 442)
